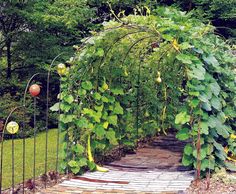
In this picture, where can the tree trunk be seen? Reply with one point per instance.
(8, 45)
(190, 5)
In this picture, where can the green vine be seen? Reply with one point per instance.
(101, 96)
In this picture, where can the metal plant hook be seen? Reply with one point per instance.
(2, 145)
(47, 113)
(27, 87)
(24, 105)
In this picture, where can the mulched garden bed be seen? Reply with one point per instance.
(220, 183)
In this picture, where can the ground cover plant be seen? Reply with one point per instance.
(144, 74)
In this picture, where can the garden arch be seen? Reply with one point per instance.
(143, 76)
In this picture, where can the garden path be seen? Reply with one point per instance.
(155, 168)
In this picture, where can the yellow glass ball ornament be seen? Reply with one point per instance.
(61, 69)
(12, 127)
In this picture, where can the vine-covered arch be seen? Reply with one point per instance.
(146, 75)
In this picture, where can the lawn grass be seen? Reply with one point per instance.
(40, 157)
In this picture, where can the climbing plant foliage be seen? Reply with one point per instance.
(143, 75)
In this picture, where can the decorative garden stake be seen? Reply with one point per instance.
(34, 90)
(12, 127)
(61, 69)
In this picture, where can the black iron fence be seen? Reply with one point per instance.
(23, 160)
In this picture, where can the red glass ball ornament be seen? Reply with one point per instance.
(34, 90)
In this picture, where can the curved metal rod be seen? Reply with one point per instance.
(110, 48)
(47, 113)
(23, 146)
(119, 39)
(27, 86)
(116, 41)
(135, 26)
(138, 93)
(136, 42)
(88, 38)
(2, 143)
(141, 28)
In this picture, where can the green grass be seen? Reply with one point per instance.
(40, 157)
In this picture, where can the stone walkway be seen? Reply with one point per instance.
(155, 168)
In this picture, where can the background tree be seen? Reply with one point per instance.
(11, 25)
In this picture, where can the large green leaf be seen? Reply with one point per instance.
(187, 160)
(111, 136)
(82, 122)
(82, 162)
(206, 106)
(230, 166)
(112, 119)
(100, 52)
(118, 109)
(186, 59)
(194, 102)
(55, 107)
(218, 146)
(222, 130)
(66, 118)
(215, 88)
(182, 118)
(97, 96)
(204, 128)
(188, 149)
(65, 107)
(221, 155)
(69, 99)
(87, 85)
(99, 131)
(212, 121)
(183, 134)
(211, 60)
(75, 170)
(197, 73)
(79, 149)
(203, 153)
(117, 91)
(73, 163)
(215, 103)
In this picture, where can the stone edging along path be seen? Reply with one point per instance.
(156, 168)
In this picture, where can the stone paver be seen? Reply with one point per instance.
(153, 169)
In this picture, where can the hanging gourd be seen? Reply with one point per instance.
(158, 79)
(105, 86)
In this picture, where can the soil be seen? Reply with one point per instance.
(211, 186)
